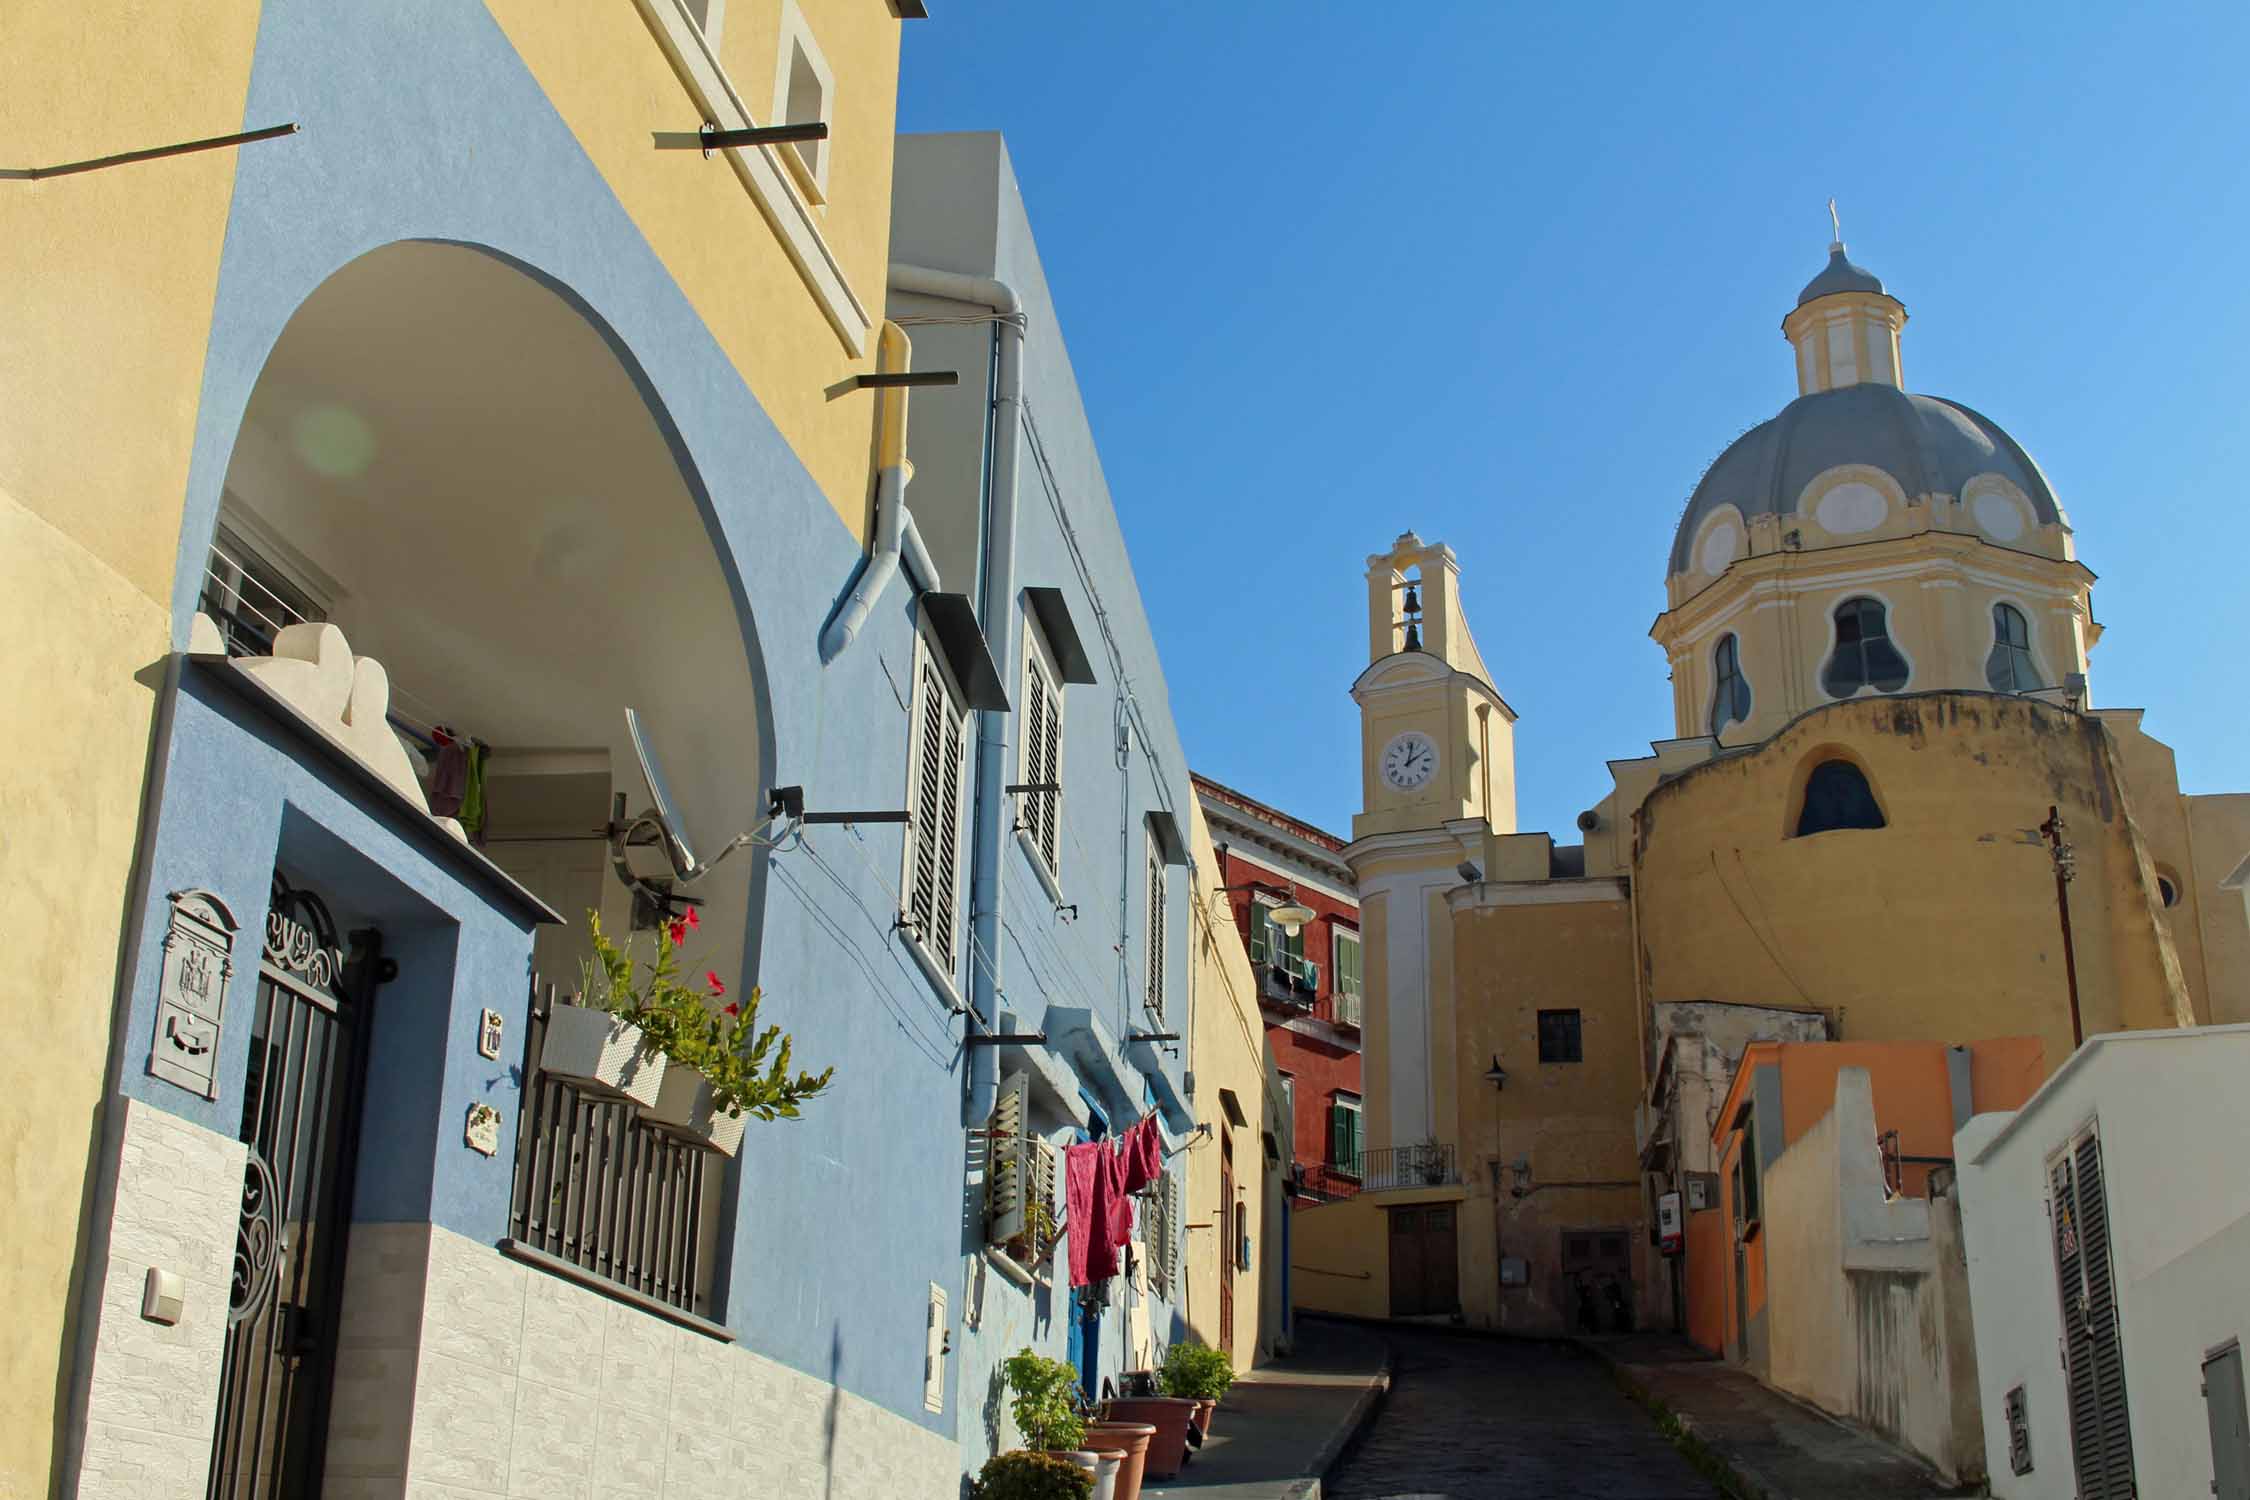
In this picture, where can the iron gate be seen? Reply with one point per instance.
(300, 1120)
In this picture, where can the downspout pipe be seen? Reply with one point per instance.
(895, 534)
(998, 612)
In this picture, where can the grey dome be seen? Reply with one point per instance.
(1927, 445)
(1840, 275)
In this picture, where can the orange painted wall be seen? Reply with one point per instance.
(1706, 1277)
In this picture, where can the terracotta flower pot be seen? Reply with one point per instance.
(601, 1054)
(1204, 1406)
(1128, 1440)
(1167, 1451)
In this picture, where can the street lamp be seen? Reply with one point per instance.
(1496, 1075)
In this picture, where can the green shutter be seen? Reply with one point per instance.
(1258, 931)
(1336, 1127)
(1347, 964)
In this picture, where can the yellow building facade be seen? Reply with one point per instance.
(1883, 749)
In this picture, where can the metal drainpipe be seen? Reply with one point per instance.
(895, 533)
(988, 836)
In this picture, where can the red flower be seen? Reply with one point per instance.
(711, 978)
(677, 932)
(692, 920)
(732, 1009)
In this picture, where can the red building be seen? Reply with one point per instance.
(1309, 989)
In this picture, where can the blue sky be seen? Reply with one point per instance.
(1513, 277)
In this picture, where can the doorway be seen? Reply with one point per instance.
(1597, 1267)
(300, 1121)
(1425, 1260)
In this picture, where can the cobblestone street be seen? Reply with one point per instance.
(1490, 1419)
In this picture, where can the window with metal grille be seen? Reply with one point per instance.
(2101, 1435)
(1730, 695)
(937, 767)
(2008, 669)
(1864, 655)
(1039, 761)
(1559, 1040)
(1153, 996)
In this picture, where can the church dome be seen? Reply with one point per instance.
(1852, 409)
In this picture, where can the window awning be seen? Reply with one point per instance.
(953, 624)
(1062, 634)
(1169, 838)
(1233, 1107)
(1078, 1036)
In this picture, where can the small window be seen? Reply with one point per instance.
(1730, 694)
(2008, 669)
(1346, 971)
(1864, 655)
(1153, 996)
(937, 769)
(1837, 796)
(804, 93)
(1343, 1134)
(2167, 889)
(1039, 762)
(1559, 1040)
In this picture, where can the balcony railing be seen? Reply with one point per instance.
(1427, 1165)
(1279, 984)
(598, 1187)
(1344, 1009)
(1326, 1183)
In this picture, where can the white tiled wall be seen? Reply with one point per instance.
(530, 1385)
(154, 1389)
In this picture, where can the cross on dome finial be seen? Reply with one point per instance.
(1835, 224)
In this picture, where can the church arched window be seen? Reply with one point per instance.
(1730, 695)
(1864, 655)
(1837, 796)
(2009, 667)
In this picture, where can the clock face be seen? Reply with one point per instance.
(1410, 760)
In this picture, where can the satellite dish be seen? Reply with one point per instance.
(665, 814)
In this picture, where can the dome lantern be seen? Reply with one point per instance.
(1845, 327)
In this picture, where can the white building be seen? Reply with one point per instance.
(2108, 1230)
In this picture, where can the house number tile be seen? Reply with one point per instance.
(489, 1030)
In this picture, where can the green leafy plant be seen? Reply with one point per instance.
(1046, 1401)
(748, 1069)
(1031, 1476)
(1197, 1371)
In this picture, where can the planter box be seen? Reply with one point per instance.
(683, 1108)
(595, 1051)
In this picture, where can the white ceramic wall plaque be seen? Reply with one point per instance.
(191, 992)
(482, 1135)
(489, 1031)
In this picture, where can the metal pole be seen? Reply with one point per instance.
(2066, 865)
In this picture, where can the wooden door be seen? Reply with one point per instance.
(1229, 1243)
(1441, 1260)
(1406, 1262)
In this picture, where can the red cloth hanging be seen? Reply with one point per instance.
(1090, 1190)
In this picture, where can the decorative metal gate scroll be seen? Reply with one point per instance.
(300, 1120)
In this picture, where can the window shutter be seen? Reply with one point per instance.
(1009, 1165)
(1170, 1251)
(1050, 829)
(1351, 1138)
(1338, 1149)
(2101, 1438)
(1261, 943)
(1155, 927)
(937, 766)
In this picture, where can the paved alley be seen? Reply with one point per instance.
(1491, 1419)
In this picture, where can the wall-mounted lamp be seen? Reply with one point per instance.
(1291, 916)
(1469, 872)
(1496, 1075)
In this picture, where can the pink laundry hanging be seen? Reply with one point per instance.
(1144, 1157)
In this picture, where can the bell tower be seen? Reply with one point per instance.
(1437, 775)
(1437, 743)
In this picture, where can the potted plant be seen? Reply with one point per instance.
(1045, 1401)
(1432, 1155)
(1201, 1374)
(722, 1069)
(1023, 1475)
(597, 1041)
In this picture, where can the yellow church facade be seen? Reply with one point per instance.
(1884, 749)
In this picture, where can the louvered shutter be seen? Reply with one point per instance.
(1009, 1170)
(1048, 727)
(1155, 927)
(1260, 942)
(1040, 1158)
(1172, 1225)
(2101, 1437)
(1339, 1153)
(937, 764)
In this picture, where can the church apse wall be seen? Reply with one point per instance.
(1918, 901)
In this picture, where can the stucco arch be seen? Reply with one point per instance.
(464, 466)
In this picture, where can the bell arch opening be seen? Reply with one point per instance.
(452, 462)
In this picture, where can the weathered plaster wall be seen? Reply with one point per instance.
(1338, 1259)
(1520, 947)
(2220, 829)
(1735, 908)
(110, 276)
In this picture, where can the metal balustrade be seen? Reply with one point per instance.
(601, 1189)
(1427, 1165)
